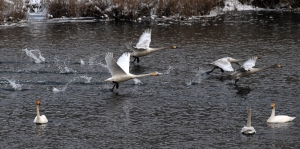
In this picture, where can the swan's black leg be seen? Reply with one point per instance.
(236, 80)
(112, 89)
(222, 70)
(138, 60)
(208, 72)
(116, 84)
(134, 59)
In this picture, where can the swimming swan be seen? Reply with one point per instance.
(39, 119)
(248, 130)
(120, 69)
(278, 118)
(224, 64)
(247, 69)
(142, 47)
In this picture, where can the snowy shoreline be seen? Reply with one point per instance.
(40, 15)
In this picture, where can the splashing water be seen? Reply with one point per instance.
(92, 60)
(137, 81)
(63, 68)
(87, 79)
(36, 55)
(82, 62)
(56, 90)
(14, 85)
(200, 75)
(167, 71)
(103, 65)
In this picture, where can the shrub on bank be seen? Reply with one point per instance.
(131, 9)
(11, 11)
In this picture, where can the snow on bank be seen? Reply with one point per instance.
(231, 5)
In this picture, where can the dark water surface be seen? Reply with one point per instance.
(165, 111)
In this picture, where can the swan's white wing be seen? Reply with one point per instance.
(112, 66)
(130, 47)
(224, 64)
(249, 63)
(124, 62)
(248, 130)
(144, 40)
(282, 118)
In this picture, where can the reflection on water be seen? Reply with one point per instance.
(40, 128)
(242, 91)
(182, 108)
(280, 125)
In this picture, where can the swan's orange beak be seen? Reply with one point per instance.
(278, 66)
(155, 74)
(38, 102)
(272, 105)
(174, 47)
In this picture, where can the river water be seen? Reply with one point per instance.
(183, 108)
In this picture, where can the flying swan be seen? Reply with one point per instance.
(120, 69)
(142, 47)
(248, 130)
(247, 69)
(39, 119)
(224, 64)
(278, 118)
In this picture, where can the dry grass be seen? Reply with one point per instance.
(12, 12)
(73, 8)
(186, 7)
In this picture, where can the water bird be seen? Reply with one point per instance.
(224, 64)
(142, 47)
(278, 118)
(120, 69)
(248, 130)
(39, 119)
(247, 69)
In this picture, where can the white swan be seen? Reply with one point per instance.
(142, 47)
(247, 69)
(278, 118)
(250, 63)
(248, 130)
(224, 64)
(120, 69)
(39, 119)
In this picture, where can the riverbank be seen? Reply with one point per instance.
(129, 10)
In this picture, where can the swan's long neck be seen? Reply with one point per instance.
(141, 75)
(254, 70)
(232, 60)
(37, 112)
(273, 112)
(157, 49)
(249, 118)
